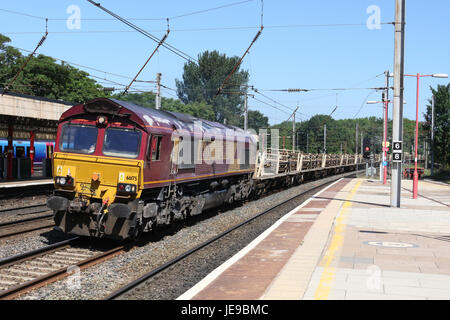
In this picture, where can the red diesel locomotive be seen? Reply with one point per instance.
(120, 169)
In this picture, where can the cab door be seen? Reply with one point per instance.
(158, 161)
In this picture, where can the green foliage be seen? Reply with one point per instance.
(43, 77)
(144, 99)
(201, 82)
(148, 100)
(310, 134)
(441, 126)
(256, 120)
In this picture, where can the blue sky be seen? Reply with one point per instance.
(285, 56)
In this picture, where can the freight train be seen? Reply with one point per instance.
(120, 170)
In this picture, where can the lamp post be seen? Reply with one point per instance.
(416, 176)
(384, 135)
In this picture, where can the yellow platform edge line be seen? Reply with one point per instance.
(327, 278)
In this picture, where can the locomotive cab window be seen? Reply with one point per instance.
(155, 148)
(122, 143)
(78, 138)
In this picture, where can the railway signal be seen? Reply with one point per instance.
(366, 148)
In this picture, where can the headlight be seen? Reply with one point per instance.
(126, 188)
(64, 181)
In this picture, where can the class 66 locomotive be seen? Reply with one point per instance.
(121, 170)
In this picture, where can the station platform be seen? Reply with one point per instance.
(345, 242)
(6, 184)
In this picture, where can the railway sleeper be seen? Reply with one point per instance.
(35, 268)
(9, 283)
(53, 262)
(14, 277)
(14, 270)
(42, 266)
(73, 254)
(65, 258)
(48, 268)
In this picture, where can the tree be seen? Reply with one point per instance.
(201, 82)
(310, 134)
(148, 100)
(256, 120)
(8, 59)
(43, 77)
(441, 124)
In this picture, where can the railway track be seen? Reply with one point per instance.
(127, 289)
(25, 272)
(30, 209)
(15, 226)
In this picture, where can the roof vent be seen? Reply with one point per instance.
(101, 106)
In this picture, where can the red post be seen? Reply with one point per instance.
(10, 153)
(32, 150)
(385, 140)
(416, 177)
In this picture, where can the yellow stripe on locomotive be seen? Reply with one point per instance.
(94, 177)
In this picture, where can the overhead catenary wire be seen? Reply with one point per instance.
(169, 93)
(147, 34)
(274, 101)
(136, 19)
(149, 58)
(210, 9)
(238, 63)
(32, 53)
(90, 68)
(78, 65)
(270, 105)
(227, 28)
(108, 81)
(44, 37)
(320, 89)
(196, 12)
(23, 14)
(265, 96)
(364, 102)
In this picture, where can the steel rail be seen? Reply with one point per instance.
(11, 223)
(166, 265)
(42, 205)
(55, 275)
(26, 255)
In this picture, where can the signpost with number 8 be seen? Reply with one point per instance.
(397, 157)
